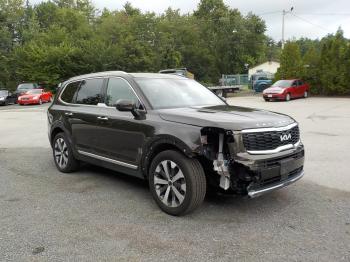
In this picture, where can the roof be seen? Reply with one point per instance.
(266, 62)
(121, 73)
(155, 75)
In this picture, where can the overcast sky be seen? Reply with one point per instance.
(315, 18)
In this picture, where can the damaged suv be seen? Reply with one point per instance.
(176, 134)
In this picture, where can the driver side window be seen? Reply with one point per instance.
(117, 89)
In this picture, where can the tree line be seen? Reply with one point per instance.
(54, 40)
(324, 64)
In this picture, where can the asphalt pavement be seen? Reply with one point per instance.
(99, 215)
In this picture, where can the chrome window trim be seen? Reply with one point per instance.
(99, 105)
(73, 81)
(274, 151)
(120, 163)
(270, 129)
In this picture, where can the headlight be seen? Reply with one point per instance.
(2, 98)
(36, 97)
(281, 91)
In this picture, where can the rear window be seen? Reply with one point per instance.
(90, 92)
(68, 93)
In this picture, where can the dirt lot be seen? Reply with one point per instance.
(98, 215)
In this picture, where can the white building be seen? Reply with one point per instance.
(269, 66)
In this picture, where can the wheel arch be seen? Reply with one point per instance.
(160, 144)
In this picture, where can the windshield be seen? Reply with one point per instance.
(283, 83)
(26, 86)
(34, 91)
(174, 93)
(3, 93)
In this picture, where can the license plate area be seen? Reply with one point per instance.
(287, 166)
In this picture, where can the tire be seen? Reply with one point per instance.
(306, 94)
(287, 97)
(267, 100)
(63, 154)
(190, 182)
(40, 101)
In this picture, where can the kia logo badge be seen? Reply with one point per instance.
(286, 137)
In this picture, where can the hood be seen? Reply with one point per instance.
(226, 117)
(28, 96)
(274, 89)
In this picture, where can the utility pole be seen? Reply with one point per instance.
(284, 12)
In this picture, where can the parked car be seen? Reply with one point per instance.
(7, 97)
(25, 87)
(35, 96)
(261, 83)
(181, 139)
(261, 80)
(286, 90)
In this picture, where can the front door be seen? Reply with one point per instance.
(121, 136)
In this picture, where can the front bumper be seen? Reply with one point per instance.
(260, 174)
(274, 96)
(274, 186)
(28, 102)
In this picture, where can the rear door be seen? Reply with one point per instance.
(83, 114)
(302, 88)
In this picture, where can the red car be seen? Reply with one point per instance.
(286, 90)
(35, 96)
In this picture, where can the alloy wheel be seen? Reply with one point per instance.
(61, 153)
(169, 183)
(305, 94)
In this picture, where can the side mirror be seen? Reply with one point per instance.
(125, 105)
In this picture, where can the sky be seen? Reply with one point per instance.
(309, 18)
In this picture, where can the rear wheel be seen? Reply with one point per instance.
(63, 154)
(177, 183)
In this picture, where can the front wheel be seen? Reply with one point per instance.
(40, 101)
(288, 97)
(306, 94)
(177, 183)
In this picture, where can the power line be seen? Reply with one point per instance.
(309, 22)
(325, 14)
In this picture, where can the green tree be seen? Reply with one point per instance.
(291, 62)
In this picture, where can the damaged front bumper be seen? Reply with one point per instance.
(274, 186)
(271, 172)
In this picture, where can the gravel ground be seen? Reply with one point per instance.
(98, 215)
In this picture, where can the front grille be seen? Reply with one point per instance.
(270, 140)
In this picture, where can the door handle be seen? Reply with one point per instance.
(68, 113)
(102, 118)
